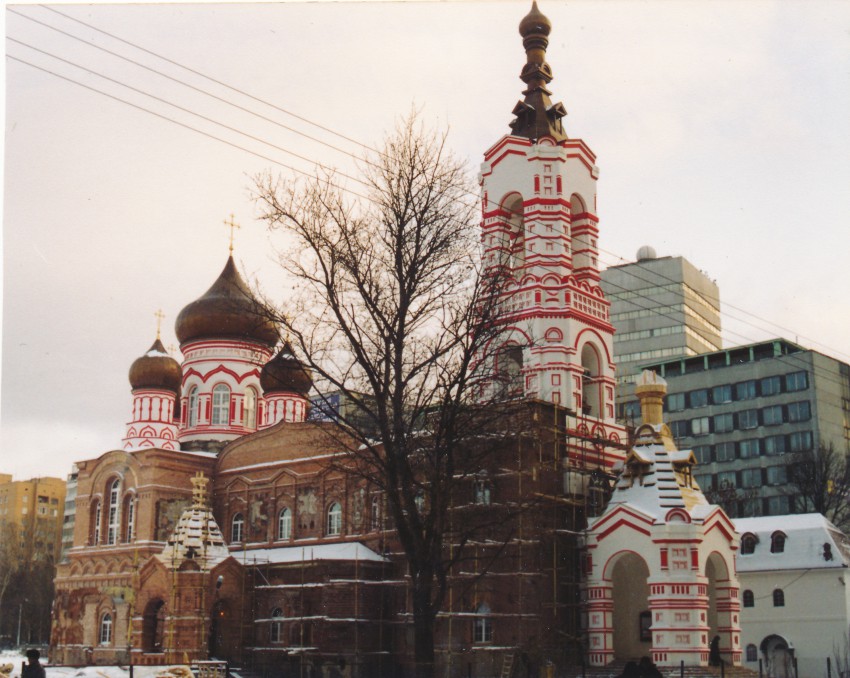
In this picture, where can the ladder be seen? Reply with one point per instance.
(507, 666)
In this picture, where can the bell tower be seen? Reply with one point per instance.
(540, 228)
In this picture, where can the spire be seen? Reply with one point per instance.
(536, 116)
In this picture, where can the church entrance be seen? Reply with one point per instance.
(778, 656)
(153, 626)
(632, 637)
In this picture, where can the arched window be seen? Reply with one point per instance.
(749, 599)
(193, 406)
(419, 500)
(276, 629)
(130, 513)
(96, 518)
(509, 366)
(334, 519)
(752, 653)
(482, 626)
(515, 245)
(376, 522)
(777, 542)
(237, 528)
(106, 629)
(748, 544)
(284, 524)
(113, 525)
(249, 418)
(591, 400)
(220, 405)
(778, 598)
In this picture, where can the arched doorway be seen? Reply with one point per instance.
(218, 646)
(778, 656)
(631, 618)
(153, 626)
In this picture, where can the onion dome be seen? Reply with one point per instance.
(285, 372)
(226, 310)
(534, 23)
(156, 369)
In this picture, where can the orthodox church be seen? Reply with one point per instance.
(227, 526)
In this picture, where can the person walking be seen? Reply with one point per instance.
(33, 669)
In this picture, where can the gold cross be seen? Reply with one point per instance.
(233, 226)
(159, 315)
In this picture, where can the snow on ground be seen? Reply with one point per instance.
(15, 658)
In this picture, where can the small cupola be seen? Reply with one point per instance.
(155, 370)
(285, 373)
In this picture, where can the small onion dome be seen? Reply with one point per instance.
(227, 310)
(285, 372)
(534, 23)
(156, 369)
(646, 252)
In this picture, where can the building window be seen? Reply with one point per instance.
(749, 449)
(777, 475)
(751, 477)
(106, 629)
(482, 492)
(703, 454)
(679, 429)
(778, 598)
(774, 445)
(675, 402)
(726, 479)
(700, 426)
(284, 524)
(249, 409)
(334, 519)
(800, 411)
(276, 629)
(482, 628)
(748, 419)
(745, 390)
(721, 394)
(752, 653)
(748, 547)
(777, 542)
(221, 405)
(796, 381)
(771, 386)
(113, 524)
(419, 500)
(772, 416)
(749, 599)
(376, 522)
(723, 423)
(193, 406)
(724, 451)
(131, 517)
(800, 441)
(698, 398)
(778, 506)
(237, 528)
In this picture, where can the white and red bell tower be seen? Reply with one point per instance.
(540, 227)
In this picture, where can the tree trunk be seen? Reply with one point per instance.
(423, 630)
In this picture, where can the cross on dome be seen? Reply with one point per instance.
(232, 225)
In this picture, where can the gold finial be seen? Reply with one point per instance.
(159, 315)
(232, 225)
(199, 490)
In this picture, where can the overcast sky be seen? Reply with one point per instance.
(722, 131)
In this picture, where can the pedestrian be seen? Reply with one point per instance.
(33, 669)
(647, 669)
(714, 652)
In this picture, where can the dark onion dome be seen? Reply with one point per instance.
(227, 310)
(285, 372)
(156, 369)
(534, 23)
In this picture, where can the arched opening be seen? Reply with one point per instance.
(105, 634)
(276, 628)
(96, 516)
(249, 409)
(334, 526)
(509, 370)
(221, 641)
(284, 525)
(113, 523)
(632, 638)
(514, 244)
(720, 619)
(482, 625)
(237, 528)
(220, 405)
(192, 406)
(129, 517)
(591, 386)
(778, 657)
(582, 251)
(153, 626)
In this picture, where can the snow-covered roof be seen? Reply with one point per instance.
(806, 535)
(352, 550)
(659, 487)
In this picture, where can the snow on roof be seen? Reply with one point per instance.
(352, 550)
(196, 537)
(659, 488)
(806, 536)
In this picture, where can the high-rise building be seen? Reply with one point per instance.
(746, 411)
(69, 512)
(661, 308)
(33, 509)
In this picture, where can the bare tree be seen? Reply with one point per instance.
(735, 502)
(822, 479)
(12, 564)
(392, 309)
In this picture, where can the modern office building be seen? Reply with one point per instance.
(33, 509)
(69, 513)
(661, 307)
(746, 410)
